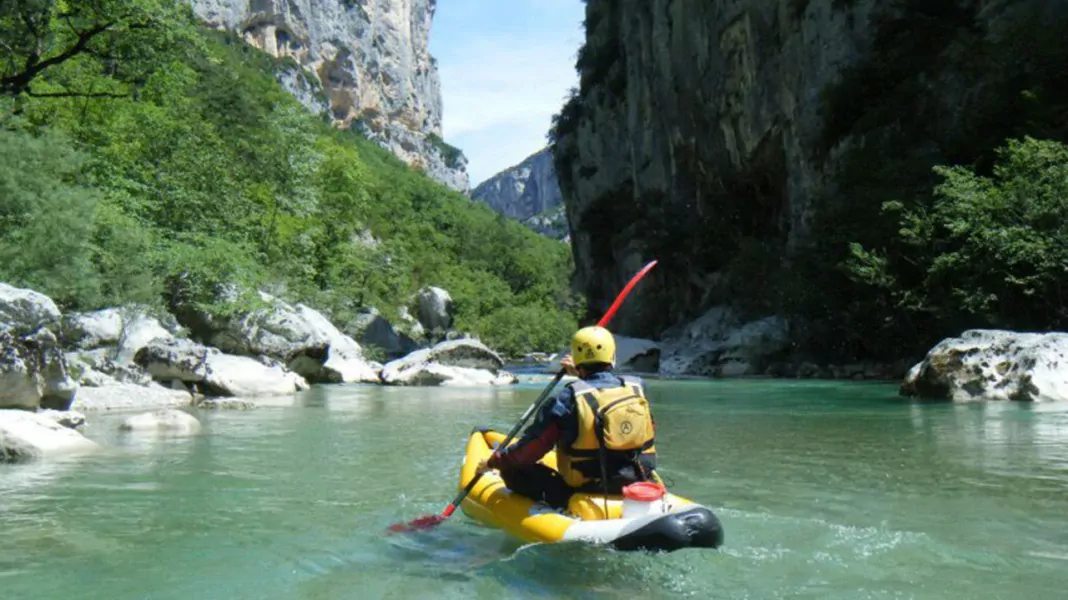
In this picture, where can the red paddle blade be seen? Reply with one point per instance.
(424, 522)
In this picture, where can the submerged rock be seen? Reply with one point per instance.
(166, 421)
(463, 362)
(214, 372)
(988, 364)
(226, 404)
(71, 419)
(26, 435)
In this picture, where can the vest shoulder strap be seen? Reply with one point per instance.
(634, 383)
(580, 387)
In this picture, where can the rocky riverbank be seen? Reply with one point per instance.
(979, 365)
(54, 368)
(721, 344)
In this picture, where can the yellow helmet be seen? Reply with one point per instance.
(593, 345)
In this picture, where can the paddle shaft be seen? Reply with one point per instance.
(445, 514)
(511, 434)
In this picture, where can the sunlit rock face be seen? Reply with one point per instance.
(366, 63)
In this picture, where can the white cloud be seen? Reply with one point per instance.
(501, 85)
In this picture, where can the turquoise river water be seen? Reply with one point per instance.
(825, 490)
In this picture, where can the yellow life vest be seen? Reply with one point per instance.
(615, 430)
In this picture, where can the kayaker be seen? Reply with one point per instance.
(601, 425)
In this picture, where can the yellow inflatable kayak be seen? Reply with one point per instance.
(666, 523)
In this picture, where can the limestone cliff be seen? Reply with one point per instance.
(522, 191)
(370, 64)
(705, 127)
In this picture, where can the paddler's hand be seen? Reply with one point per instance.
(568, 365)
(482, 467)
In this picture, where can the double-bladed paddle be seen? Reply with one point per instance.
(428, 521)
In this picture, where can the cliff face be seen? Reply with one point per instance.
(551, 223)
(369, 65)
(522, 191)
(702, 128)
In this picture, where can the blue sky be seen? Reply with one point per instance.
(506, 67)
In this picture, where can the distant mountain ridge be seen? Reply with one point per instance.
(527, 192)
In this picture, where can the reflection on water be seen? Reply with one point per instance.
(826, 490)
(1023, 442)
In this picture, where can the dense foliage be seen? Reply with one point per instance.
(991, 251)
(156, 159)
(942, 217)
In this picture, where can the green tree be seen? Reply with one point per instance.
(38, 36)
(45, 217)
(988, 250)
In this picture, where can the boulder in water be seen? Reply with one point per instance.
(229, 375)
(214, 372)
(226, 404)
(166, 421)
(463, 362)
(71, 419)
(636, 354)
(58, 386)
(989, 364)
(25, 435)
